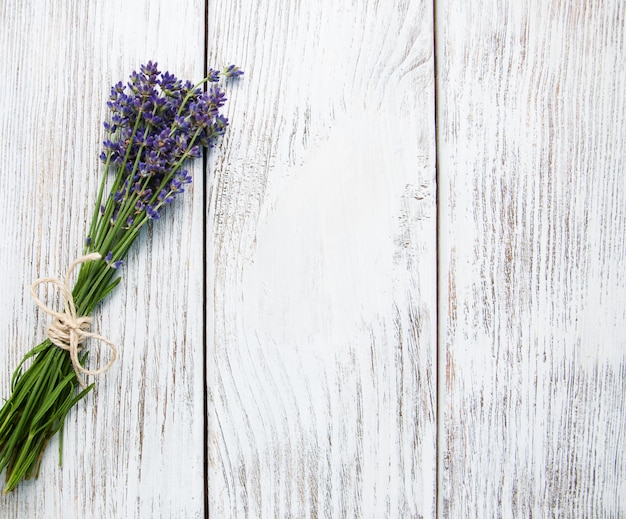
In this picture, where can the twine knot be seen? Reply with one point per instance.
(69, 330)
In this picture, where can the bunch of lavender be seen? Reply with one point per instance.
(157, 123)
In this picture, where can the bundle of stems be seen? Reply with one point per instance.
(157, 124)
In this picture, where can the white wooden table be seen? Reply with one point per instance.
(397, 290)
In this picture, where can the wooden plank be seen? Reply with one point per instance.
(531, 134)
(322, 270)
(135, 447)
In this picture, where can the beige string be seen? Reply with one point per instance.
(68, 330)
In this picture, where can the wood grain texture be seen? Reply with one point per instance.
(135, 447)
(531, 156)
(322, 272)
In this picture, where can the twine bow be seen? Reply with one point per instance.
(68, 330)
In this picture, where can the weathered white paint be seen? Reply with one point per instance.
(531, 156)
(135, 447)
(321, 260)
(322, 270)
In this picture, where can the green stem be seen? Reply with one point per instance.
(96, 213)
(121, 173)
(44, 392)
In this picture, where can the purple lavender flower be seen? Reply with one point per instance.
(157, 122)
(232, 71)
(152, 213)
(113, 264)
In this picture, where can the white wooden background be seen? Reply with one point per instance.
(412, 246)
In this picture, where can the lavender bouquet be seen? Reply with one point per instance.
(157, 124)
